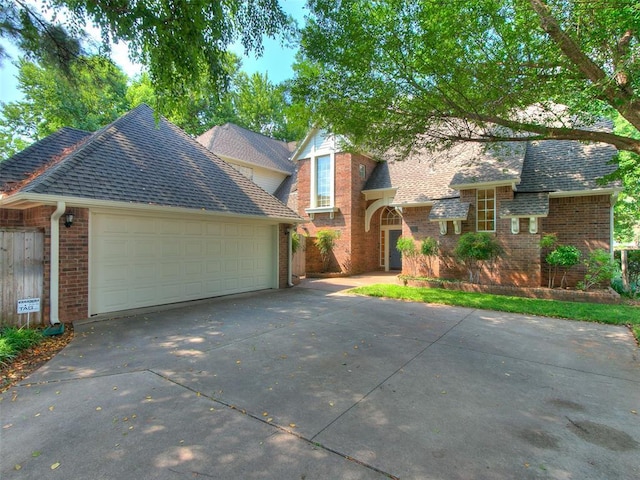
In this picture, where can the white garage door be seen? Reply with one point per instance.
(140, 261)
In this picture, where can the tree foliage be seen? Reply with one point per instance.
(94, 92)
(89, 96)
(386, 73)
(267, 108)
(176, 41)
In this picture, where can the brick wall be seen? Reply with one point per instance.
(74, 257)
(583, 222)
(74, 267)
(580, 221)
(520, 264)
(283, 255)
(356, 251)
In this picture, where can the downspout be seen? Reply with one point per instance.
(54, 267)
(290, 252)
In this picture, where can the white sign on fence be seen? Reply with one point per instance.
(28, 305)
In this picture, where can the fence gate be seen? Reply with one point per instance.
(298, 261)
(21, 274)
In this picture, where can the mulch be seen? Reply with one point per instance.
(31, 359)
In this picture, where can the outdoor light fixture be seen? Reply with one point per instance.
(68, 219)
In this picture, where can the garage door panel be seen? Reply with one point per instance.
(142, 226)
(193, 248)
(193, 269)
(170, 248)
(114, 248)
(141, 261)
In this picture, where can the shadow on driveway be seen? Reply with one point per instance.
(307, 384)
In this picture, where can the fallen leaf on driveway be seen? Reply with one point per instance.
(55, 465)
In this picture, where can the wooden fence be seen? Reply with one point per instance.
(299, 263)
(21, 274)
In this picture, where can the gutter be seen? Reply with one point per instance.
(55, 264)
(290, 231)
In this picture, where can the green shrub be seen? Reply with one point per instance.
(429, 250)
(13, 340)
(476, 250)
(407, 248)
(600, 269)
(562, 257)
(326, 241)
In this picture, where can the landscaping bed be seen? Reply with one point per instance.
(608, 295)
(32, 358)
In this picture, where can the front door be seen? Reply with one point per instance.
(395, 260)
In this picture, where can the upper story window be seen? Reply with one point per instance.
(323, 181)
(486, 210)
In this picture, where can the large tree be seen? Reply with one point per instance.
(89, 96)
(265, 107)
(389, 72)
(175, 40)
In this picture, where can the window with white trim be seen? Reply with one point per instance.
(486, 210)
(323, 181)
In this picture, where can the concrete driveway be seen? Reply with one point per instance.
(309, 383)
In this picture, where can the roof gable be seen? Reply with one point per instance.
(139, 160)
(235, 142)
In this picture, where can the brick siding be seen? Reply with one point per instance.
(73, 293)
(355, 250)
(580, 221)
(583, 222)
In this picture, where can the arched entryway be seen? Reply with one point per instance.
(390, 231)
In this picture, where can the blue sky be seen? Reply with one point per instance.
(276, 60)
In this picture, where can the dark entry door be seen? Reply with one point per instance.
(395, 261)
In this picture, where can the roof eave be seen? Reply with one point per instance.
(498, 183)
(303, 144)
(427, 203)
(253, 165)
(21, 201)
(376, 193)
(586, 192)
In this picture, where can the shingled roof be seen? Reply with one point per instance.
(139, 160)
(531, 167)
(425, 176)
(36, 156)
(555, 165)
(231, 141)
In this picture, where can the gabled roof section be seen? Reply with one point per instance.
(566, 166)
(139, 160)
(36, 156)
(491, 164)
(428, 175)
(449, 209)
(238, 143)
(525, 205)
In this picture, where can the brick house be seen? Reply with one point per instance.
(516, 191)
(157, 219)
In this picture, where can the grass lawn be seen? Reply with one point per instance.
(590, 312)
